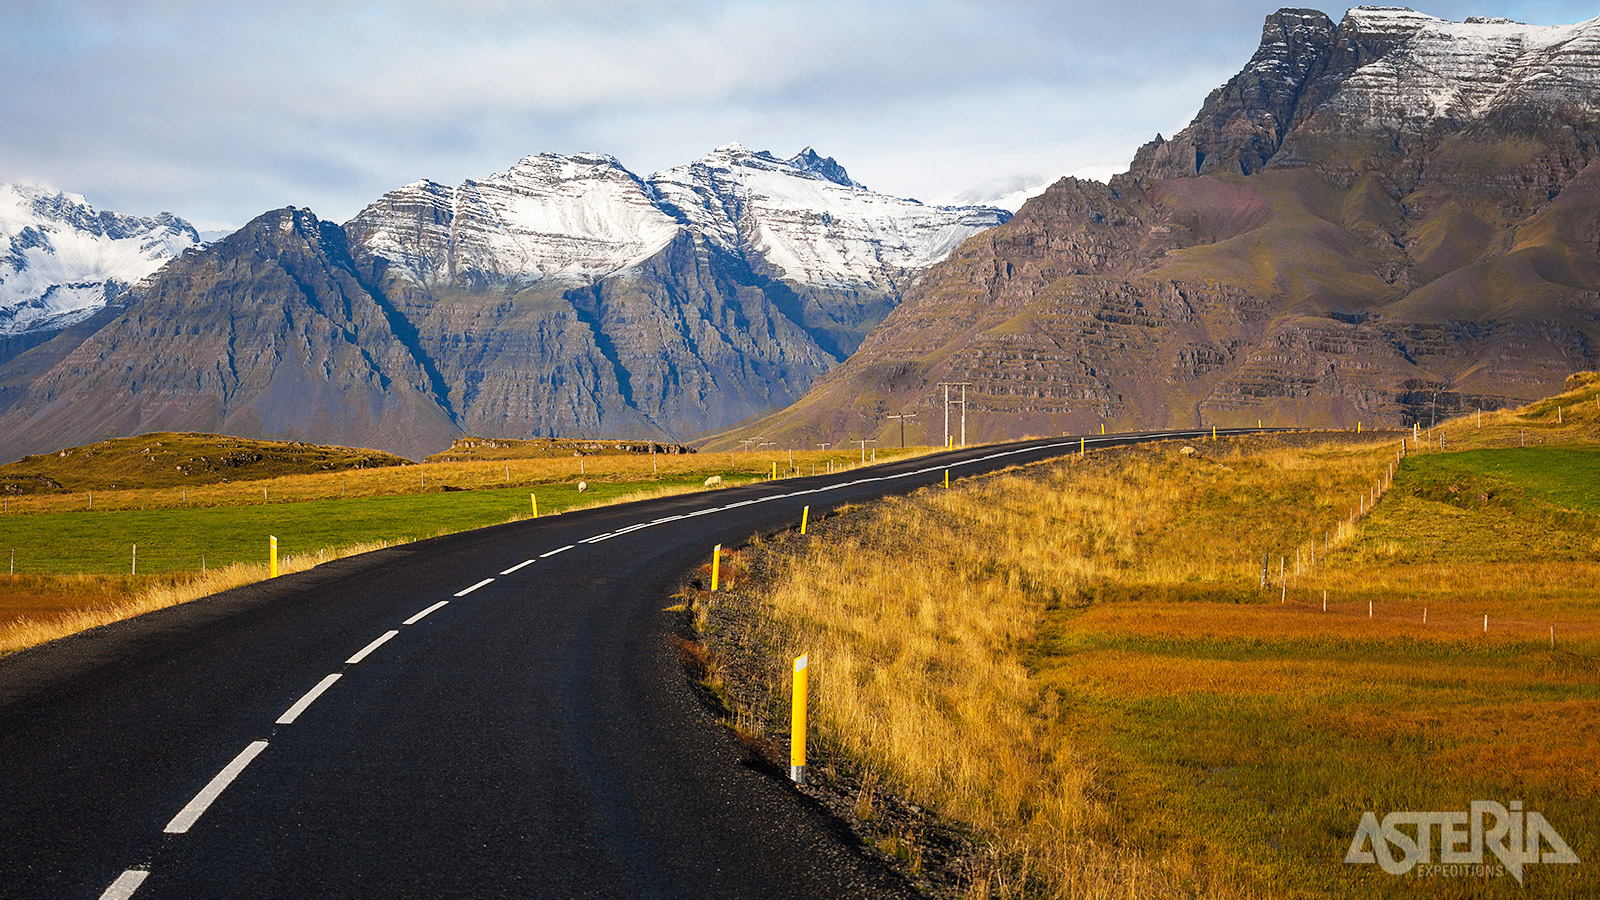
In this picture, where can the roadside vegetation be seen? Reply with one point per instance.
(1085, 667)
(77, 552)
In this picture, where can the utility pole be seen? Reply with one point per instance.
(863, 442)
(902, 417)
(747, 442)
(947, 385)
(964, 412)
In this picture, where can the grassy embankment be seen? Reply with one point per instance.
(197, 534)
(1077, 660)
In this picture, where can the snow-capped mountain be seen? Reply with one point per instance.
(61, 259)
(1388, 73)
(800, 219)
(1461, 71)
(547, 215)
(1006, 193)
(803, 219)
(1389, 218)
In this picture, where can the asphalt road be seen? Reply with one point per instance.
(498, 713)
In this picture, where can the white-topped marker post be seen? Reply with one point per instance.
(797, 723)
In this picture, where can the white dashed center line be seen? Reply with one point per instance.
(463, 593)
(521, 565)
(555, 551)
(418, 617)
(187, 816)
(293, 712)
(365, 651)
(125, 885)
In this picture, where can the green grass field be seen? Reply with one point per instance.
(176, 539)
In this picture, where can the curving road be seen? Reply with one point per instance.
(491, 714)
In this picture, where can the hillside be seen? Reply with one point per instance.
(1382, 220)
(167, 459)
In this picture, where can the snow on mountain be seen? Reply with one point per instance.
(802, 219)
(547, 215)
(1462, 71)
(1010, 193)
(809, 222)
(61, 259)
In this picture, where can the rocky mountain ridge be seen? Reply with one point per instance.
(1382, 220)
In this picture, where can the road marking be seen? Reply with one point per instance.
(596, 538)
(521, 565)
(419, 616)
(463, 593)
(125, 885)
(293, 712)
(192, 812)
(364, 651)
(555, 551)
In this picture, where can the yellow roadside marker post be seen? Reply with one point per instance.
(1358, 427)
(534, 499)
(716, 565)
(1213, 432)
(1082, 447)
(272, 554)
(797, 725)
(947, 479)
(1102, 428)
(774, 471)
(805, 516)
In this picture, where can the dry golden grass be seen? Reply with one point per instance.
(84, 601)
(39, 608)
(1078, 659)
(457, 475)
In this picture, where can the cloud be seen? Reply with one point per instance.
(218, 111)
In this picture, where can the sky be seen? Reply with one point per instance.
(220, 111)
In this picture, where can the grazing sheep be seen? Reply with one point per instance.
(714, 481)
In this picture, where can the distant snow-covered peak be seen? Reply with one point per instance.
(805, 220)
(1006, 193)
(801, 218)
(550, 214)
(1462, 71)
(61, 259)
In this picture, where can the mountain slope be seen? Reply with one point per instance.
(268, 333)
(1378, 221)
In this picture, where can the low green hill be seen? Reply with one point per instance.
(169, 459)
